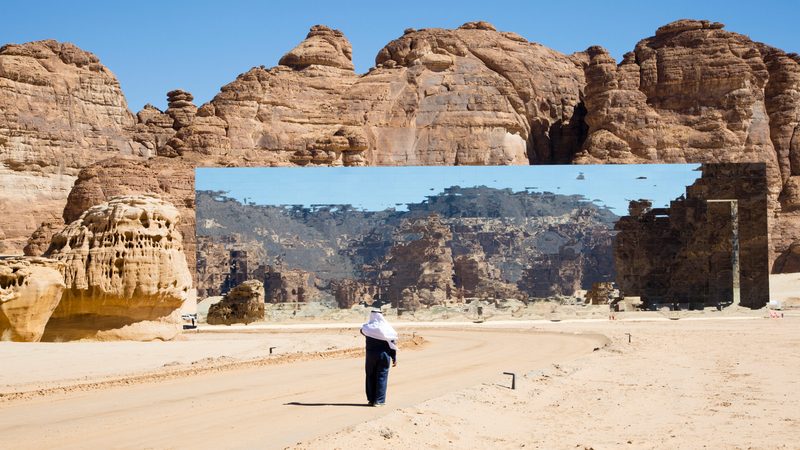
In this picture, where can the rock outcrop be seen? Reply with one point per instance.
(60, 110)
(125, 272)
(693, 92)
(170, 178)
(40, 239)
(697, 93)
(283, 285)
(474, 277)
(243, 304)
(421, 264)
(30, 289)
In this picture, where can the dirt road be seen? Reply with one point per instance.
(272, 407)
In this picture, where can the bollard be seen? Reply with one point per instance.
(513, 379)
(629, 337)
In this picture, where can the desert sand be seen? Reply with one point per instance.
(713, 380)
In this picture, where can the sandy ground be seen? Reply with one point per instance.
(31, 366)
(722, 384)
(706, 379)
(274, 406)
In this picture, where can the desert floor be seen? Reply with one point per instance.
(685, 380)
(703, 380)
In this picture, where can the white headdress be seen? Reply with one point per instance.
(378, 328)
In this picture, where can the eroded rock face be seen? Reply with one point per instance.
(61, 110)
(170, 178)
(40, 239)
(323, 47)
(125, 272)
(421, 264)
(477, 278)
(289, 285)
(693, 92)
(30, 289)
(697, 93)
(243, 304)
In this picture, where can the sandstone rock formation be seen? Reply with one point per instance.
(477, 278)
(125, 271)
(30, 289)
(170, 178)
(697, 93)
(601, 293)
(349, 293)
(421, 264)
(284, 285)
(693, 92)
(40, 239)
(61, 111)
(243, 304)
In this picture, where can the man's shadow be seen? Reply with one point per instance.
(325, 404)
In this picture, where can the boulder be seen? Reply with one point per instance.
(125, 272)
(30, 289)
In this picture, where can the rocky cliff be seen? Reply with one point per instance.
(693, 92)
(60, 111)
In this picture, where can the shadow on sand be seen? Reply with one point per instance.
(325, 404)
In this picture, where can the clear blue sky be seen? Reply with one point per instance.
(376, 188)
(200, 45)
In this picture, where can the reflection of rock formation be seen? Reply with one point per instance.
(351, 292)
(695, 92)
(476, 278)
(576, 264)
(213, 267)
(289, 285)
(125, 273)
(30, 289)
(490, 236)
(421, 264)
(682, 254)
(601, 293)
(243, 304)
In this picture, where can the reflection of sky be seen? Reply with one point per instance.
(376, 188)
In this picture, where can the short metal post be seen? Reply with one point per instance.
(271, 349)
(629, 337)
(513, 379)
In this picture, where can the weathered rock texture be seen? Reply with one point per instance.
(30, 289)
(601, 293)
(289, 285)
(475, 277)
(682, 254)
(421, 264)
(125, 271)
(697, 93)
(243, 304)
(60, 110)
(170, 178)
(692, 93)
(40, 239)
